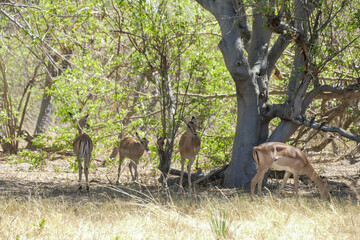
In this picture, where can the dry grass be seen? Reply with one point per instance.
(43, 204)
(182, 217)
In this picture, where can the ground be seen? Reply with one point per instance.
(43, 203)
(55, 179)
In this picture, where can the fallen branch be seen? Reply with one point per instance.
(198, 177)
(215, 173)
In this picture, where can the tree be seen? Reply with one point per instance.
(33, 23)
(250, 55)
(165, 47)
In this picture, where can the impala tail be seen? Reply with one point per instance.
(85, 149)
(255, 157)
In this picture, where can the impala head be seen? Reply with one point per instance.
(82, 123)
(144, 142)
(160, 143)
(192, 126)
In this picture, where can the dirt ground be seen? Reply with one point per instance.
(54, 180)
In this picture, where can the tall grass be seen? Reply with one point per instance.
(181, 218)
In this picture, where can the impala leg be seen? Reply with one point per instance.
(286, 177)
(135, 170)
(181, 174)
(80, 172)
(130, 169)
(86, 171)
(121, 159)
(296, 183)
(260, 181)
(254, 181)
(189, 176)
(257, 180)
(132, 166)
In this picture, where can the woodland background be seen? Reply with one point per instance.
(143, 71)
(143, 66)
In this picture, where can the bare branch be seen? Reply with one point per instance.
(331, 92)
(14, 4)
(329, 58)
(276, 51)
(217, 96)
(330, 19)
(302, 121)
(328, 89)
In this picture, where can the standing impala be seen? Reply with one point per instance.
(189, 147)
(132, 149)
(282, 157)
(83, 147)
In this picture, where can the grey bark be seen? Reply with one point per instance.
(46, 107)
(169, 125)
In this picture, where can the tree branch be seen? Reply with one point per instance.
(46, 45)
(302, 121)
(205, 4)
(260, 38)
(276, 51)
(331, 92)
(241, 17)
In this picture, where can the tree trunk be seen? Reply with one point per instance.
(46, 108)
(169, 126)
(242, 167)
(251, 74)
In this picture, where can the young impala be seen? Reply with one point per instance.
(83, 147)
(132, 149)
(189, 147)
(282, 157)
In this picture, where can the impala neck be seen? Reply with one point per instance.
(80, 131)
(312, 174)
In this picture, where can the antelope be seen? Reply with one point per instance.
(189, 147)
(132, 149)
(83, 147)
(282, 157)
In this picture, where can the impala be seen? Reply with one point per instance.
(189, 147)
(282, 157)
(83, 147)
(132, 149)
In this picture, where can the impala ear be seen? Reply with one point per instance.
(138, 137)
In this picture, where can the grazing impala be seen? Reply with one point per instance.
(282, 157)
(189, 147)
(132, 149)
(83, 147)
